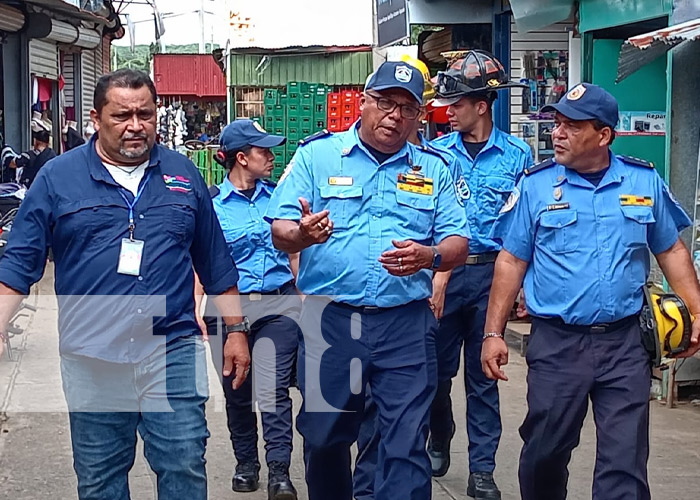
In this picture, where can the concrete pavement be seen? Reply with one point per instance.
(36, 460)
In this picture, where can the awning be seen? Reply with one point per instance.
(643, 49)
(532, 15)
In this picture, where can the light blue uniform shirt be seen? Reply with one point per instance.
(588, 247)
(368, 210)
(261, 267)
(487, 181)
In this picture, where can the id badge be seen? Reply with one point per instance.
(130, 257)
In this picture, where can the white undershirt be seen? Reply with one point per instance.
(127, 177)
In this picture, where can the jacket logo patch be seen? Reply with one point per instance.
(177, 183)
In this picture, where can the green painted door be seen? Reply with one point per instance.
(645, 90)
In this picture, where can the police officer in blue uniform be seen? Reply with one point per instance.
(579, 229)
(270, 302)
(368, 438)
(490, 162)
(372, 216)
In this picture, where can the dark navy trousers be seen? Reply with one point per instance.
(461, 329)
(568, 368)
(273, 340)
(343, 351)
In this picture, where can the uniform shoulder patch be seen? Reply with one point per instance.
(214, 191)
(518, 143)
(427, 148)
(539, 166)
(636, 161)
(318, 135)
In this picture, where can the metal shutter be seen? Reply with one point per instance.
(69, 78)
(89, 80)
(43, 59)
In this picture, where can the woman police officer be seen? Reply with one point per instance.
(271, 303)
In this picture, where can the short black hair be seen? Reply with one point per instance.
(42, 136)
(599, 125)
(231, 155)
(122, 78)
(489, 97)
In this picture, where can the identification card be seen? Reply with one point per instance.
(130, 257)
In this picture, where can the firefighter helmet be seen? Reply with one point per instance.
(429, 91)
(477, 72)
(666, 325)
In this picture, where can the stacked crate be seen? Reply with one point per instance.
(297, 111)
(343, 110)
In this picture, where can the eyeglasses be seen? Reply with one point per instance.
(389, 105)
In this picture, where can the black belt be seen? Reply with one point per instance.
(365, 309)
(597, 328)
(481, 258)
(280, 291)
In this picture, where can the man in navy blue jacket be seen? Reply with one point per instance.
(128, 221)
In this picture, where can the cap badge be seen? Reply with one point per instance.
(402, 74)
(259, 128)
(493, 83)
(576, 93)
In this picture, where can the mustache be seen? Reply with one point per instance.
(129, 135)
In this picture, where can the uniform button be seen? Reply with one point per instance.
(139, 311)
(252, 204)
(374, 217)
(131, 340)
(140, 278)
(141, 216)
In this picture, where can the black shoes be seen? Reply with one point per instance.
(439, 453)
(482, 487)
(279, 486)
(247, 477)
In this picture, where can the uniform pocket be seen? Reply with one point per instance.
(635, 224)
(557, 231)
(415, 215)
(343, 203)
(497, 191)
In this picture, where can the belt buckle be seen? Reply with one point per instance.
(601, 328)
(371, 308)
(255, 297)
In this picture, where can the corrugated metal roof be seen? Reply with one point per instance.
(643, 49)
(188, 74)
(341, 68)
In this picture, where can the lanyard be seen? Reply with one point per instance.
(132, 204)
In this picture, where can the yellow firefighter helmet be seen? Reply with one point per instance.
(666, 325)
(429, 91)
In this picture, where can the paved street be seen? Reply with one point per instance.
(35, 455)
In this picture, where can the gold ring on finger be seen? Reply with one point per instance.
(320, 226)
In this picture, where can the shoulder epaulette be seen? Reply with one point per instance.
(539, 166)
(214, 191)
(518, 143)
(636, 161)
(313, 137)
(427, 148)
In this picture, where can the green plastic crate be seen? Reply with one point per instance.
(278, 131)
(280, 121)
(306, 110)
(279, 110)
(271, 96)
(297, 87)
(293, 109)
(269, 122)
(307, 98)
(293, 121)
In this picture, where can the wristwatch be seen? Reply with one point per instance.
(437, 259)
(243, 326)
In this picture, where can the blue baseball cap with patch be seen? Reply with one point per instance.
(244, 132)
(587, 102)
(397, 75)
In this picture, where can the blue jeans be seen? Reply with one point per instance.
(161, 397)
